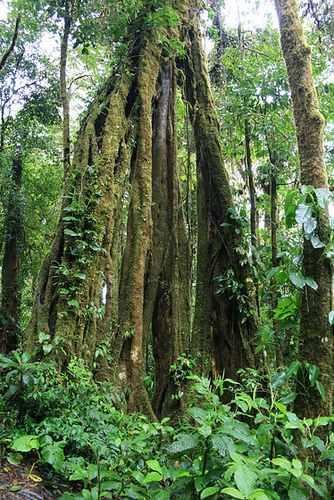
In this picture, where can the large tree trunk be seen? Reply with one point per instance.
(316, 338)
(10, 299)
(131, 132)
(223, 324)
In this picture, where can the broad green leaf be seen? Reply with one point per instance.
(310, 225)
(293, 368)
(208, 492)
(245, 479)
(313, 373)
(14, 458)
(184, 443)
(323, 196)
(311, 283)
(205, 430)
(233, 492)
(295, 494)
(293, 419)
(316, 242)
(303, 213)
(282, 408)
(306, 189)
(278, 380)
(26, 443)
(54, 455)
(154, 465)
(282, 462)
(297, 279)
(258, 495)
(297, 464)
(152, 476)
(222, 444)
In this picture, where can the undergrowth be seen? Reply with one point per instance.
(78, 430)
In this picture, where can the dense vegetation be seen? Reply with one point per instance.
(166, 279)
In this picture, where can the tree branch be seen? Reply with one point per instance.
(10, 49)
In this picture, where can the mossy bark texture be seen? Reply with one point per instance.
(10, 293)
(223, 331)
(128, 143)
(316, 339)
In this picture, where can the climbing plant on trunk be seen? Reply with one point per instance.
(316, 342)
(127, 148)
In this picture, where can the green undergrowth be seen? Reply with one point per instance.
(78, 431)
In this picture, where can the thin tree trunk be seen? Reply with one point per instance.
(10, 49)
(63, 87)
(10, 299)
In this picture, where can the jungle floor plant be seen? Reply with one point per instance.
(79, 431)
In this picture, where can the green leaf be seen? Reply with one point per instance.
(297, 279)
(313, 373)
(316, 242)
(303, 213)
(293, 368)
(74, 303)
(208, 492)
(323, 196)
(81, 276)
(272, 272)
(154, 465)
(205, 430)
(293, 419)
(310, 225)
(25, 443)
(311, 283)
(14, 458)
(184, 443)
(245, 479)
(319, 385)
(233, 492)
(69, 232)
(152, 476)
(331, 317)
(282, 462)
(222, 444)
(94, 246)
(278, 380)
(54, 455)
(258, 495)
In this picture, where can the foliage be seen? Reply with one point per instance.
(244, 449)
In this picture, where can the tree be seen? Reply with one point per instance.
(118, 145)
(316, 342)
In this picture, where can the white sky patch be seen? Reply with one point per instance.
(3, 10)
(251, 14)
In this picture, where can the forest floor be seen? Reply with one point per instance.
(22, 482)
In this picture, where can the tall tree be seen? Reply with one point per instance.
(316, 342)
(119, 142)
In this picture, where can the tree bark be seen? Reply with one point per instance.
(10, 299)
(220, 324)
(316, 338)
